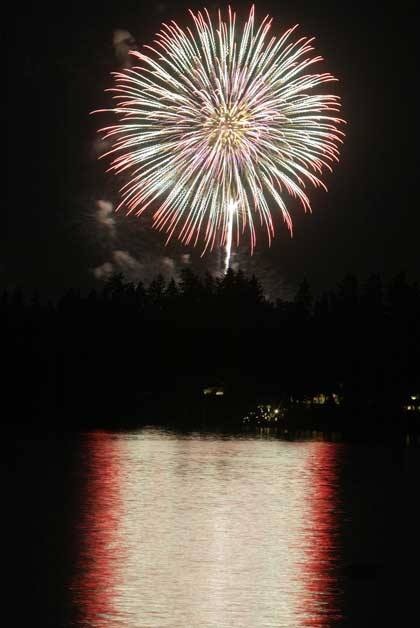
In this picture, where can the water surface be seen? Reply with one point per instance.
(156, 529)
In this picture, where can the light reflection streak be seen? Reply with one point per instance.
(209, 532)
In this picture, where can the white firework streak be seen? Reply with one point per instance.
(228, 247)
(217, 114)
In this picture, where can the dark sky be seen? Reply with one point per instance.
(59, 59)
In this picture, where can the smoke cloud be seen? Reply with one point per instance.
(104, 215)
(123, 42)
(104, 272)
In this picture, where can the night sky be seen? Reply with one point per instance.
(59, 60)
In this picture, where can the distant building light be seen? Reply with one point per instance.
(214, 390)
(412, 408)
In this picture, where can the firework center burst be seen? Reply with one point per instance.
(228, 126)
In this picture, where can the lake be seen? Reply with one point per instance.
(154, 529)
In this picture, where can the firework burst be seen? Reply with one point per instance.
(218, 124)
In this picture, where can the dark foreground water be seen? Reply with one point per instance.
(154, 529)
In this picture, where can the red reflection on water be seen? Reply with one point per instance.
(209, 533)
(101, 517)
(320, 601)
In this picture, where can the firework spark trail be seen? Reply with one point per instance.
(216, 114)
(228, 247)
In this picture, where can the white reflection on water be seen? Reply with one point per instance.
(208, 532)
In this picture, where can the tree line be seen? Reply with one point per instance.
(124, 349)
